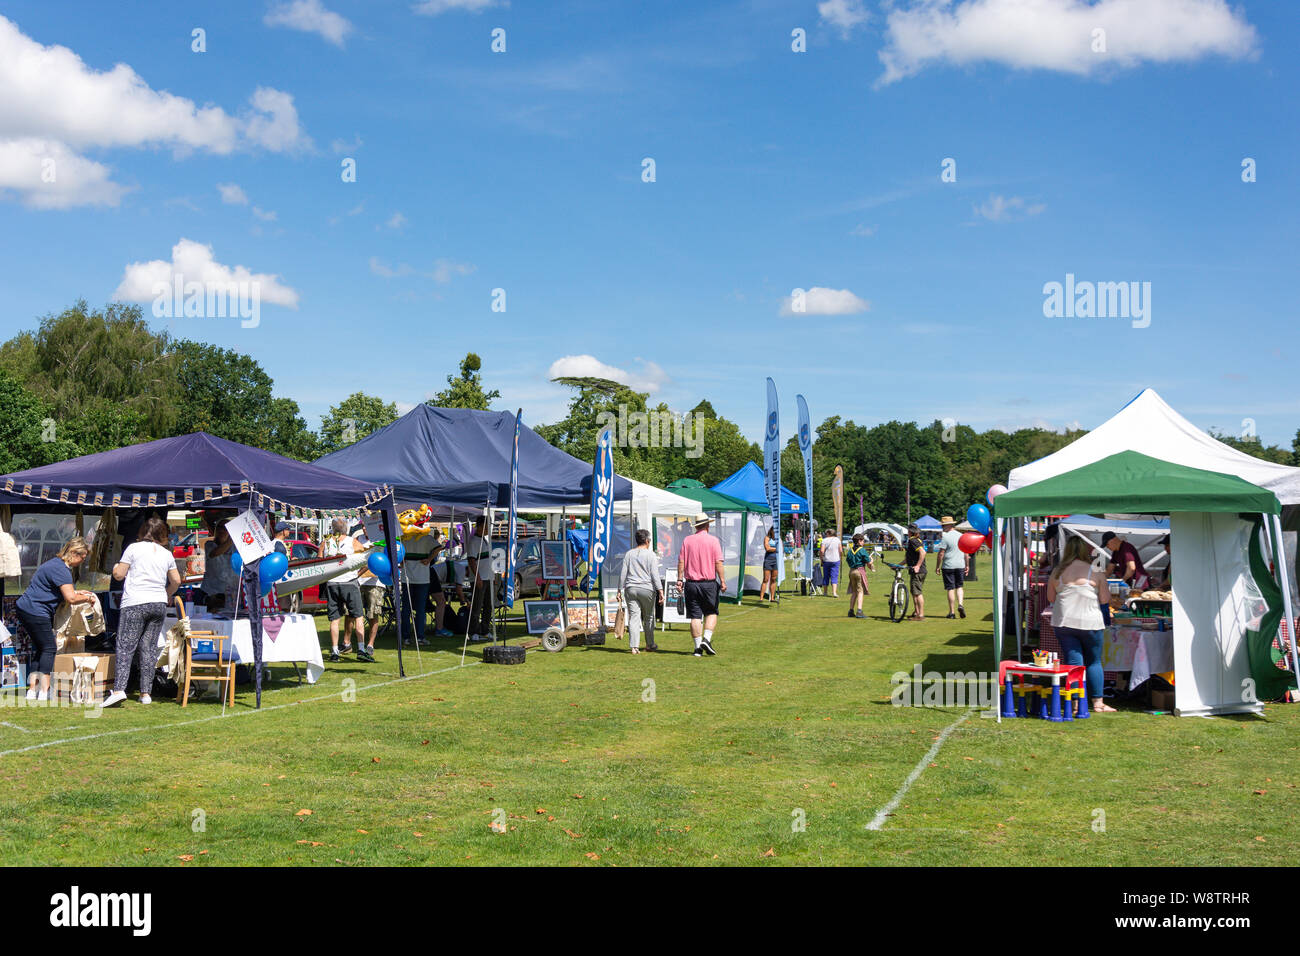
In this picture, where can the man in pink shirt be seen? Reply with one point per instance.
(699, 568)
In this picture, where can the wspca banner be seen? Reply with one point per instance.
(772, 469)
(512, 538)
(805, 448)
(602, 502)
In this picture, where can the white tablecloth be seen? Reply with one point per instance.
(1140, 651)
(294, 641)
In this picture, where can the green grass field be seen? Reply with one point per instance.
(780, 750)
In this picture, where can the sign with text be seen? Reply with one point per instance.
(251, 540)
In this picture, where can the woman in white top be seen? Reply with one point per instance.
(1077, 589)
(149, 571)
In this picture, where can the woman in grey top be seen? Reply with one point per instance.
(639, 587)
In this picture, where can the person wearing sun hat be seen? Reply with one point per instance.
(699, 568)
(954, 565)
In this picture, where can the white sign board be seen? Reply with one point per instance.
(672, 590)
(251, 540)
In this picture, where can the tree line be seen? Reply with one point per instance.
(93, 380)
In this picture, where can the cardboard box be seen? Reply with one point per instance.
(91, 686)
(1162, 699)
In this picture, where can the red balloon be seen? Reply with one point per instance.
(970, 542)
(988, 541)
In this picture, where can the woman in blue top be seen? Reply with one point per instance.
(51, 585)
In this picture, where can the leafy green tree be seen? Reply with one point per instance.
(353, 419)
(29, 436)
(287, 433)
(82, 359)
(103, 428)
(466, 390)
(1253, 446)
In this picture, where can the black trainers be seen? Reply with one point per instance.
(858, 614)
(961, 610)
(708, 646)
(851, 612)
(334, 657)
(699, 651)
(951, 617)
(345, 648)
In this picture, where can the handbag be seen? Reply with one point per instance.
(620, 622)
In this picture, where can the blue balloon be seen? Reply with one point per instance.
(400, 550)
(236, 562)
(385, 579)
(272, 568)
(978, 516)
(380, 567)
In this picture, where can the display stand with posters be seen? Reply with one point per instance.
(672, 597)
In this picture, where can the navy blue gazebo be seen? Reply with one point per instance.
(202, 471)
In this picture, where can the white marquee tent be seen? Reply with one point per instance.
(1147, 424)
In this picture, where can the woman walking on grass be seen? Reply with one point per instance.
(1077, 590)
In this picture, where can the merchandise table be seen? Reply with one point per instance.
(290, 638)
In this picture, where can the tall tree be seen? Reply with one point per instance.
(466, 390)
(82, 359)
(353, 419)
(29, 436)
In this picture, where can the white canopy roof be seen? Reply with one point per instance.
(1149, 425)
(647, 502)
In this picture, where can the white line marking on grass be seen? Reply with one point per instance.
(228, 714)
(892, 805)
(5, 723)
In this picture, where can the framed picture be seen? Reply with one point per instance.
(12, 672)
(672, 592)
(556, 565)
(611, 606)
(585, 614)
(543, 614)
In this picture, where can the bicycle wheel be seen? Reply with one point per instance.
(898, 602)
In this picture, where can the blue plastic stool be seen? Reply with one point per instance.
(1083, 713)
(1009, 699)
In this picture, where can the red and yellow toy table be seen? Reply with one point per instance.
(1067, 684)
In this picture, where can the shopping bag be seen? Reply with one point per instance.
(620, 622)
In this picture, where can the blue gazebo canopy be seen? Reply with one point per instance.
(202, 464)
(928, 523)
(747, 484)
(460, 458)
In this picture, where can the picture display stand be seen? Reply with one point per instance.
(672, 591)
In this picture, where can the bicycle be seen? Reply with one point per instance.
(898, 593)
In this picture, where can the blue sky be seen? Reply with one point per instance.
(774, 170)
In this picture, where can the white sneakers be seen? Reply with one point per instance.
(31, 693)
(115, 698)
(146, 699)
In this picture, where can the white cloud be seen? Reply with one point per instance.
(820, 301)
(380, 269)
(844, 14)
(1008, 209)
(344, 146)
(444, 270)
(232, 194)
(861, 230)
(1059, 34)
(50, 93)
(264, 215)
(649, 378)
(396, 221)
(192, 262)
(310, 16)
(47, 175)
(431, 8)
(54, 106)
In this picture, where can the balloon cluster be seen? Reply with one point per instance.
(269, 570)
(979, 518)
(381, 567)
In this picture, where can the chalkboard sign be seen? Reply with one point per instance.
(672, 594)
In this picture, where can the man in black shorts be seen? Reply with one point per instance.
(954, 564)
(699, 567)
(915, 558)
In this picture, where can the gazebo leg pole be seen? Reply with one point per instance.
(1279, 552)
